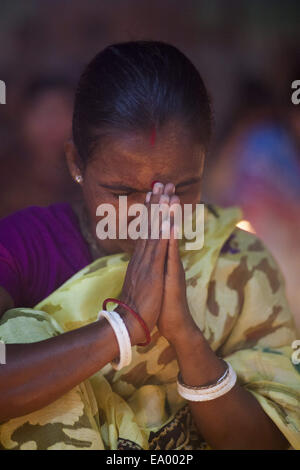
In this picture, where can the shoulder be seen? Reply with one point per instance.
(43, 215)
(42, 230)
(43, 247)
(37, 222)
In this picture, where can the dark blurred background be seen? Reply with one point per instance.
(248, 52)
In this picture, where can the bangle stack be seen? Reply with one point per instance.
(136, 316)
(116, 322)
(210, 392)
(122, 336)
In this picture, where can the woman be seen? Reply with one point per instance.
(141, 115)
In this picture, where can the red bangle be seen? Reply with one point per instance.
(136, 316)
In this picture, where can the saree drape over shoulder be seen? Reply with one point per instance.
(236, 297)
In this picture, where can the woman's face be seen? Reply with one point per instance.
(127, 165)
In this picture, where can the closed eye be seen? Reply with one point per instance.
(186, 187)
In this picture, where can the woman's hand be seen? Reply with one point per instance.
(144, 280)
(175, 321)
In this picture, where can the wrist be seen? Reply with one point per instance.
(198, 363)
(187, 335)
(135, 331)
(187, 339)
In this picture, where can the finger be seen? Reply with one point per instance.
(151, 198)
(156, 248)
(169, 189)
(164, 199)
(175, 235)
(176, 215)
(174, 264)
(174, 199)
(141, 242)
(159, 214)
(158, 190)
(153, 207)
(137, 252)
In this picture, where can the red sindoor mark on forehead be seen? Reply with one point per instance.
(153, 136)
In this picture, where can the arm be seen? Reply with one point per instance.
(233, 421)
(37, 374)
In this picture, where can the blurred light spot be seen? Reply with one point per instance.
(245, 225)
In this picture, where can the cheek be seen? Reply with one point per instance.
(94, 197)
(131, 200)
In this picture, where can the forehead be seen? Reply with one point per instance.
(169, 156)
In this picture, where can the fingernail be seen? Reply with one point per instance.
(172, 185)
(164, 199)
(157, 188)
(153, 183)
(148, 196)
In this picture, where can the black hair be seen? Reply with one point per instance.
(133, 86)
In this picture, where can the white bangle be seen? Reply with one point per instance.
(122, 336)
(223, 385)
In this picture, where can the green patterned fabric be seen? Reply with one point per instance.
(236, 297)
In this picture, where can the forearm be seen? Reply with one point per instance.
(37, 374)
(233, 421)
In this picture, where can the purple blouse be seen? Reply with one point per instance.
(40, 248)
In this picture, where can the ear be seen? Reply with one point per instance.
(72, 158)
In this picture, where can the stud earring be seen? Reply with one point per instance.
(78, 179)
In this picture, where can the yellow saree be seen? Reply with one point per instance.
(236, 297)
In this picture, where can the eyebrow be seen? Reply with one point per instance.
(121, 187)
